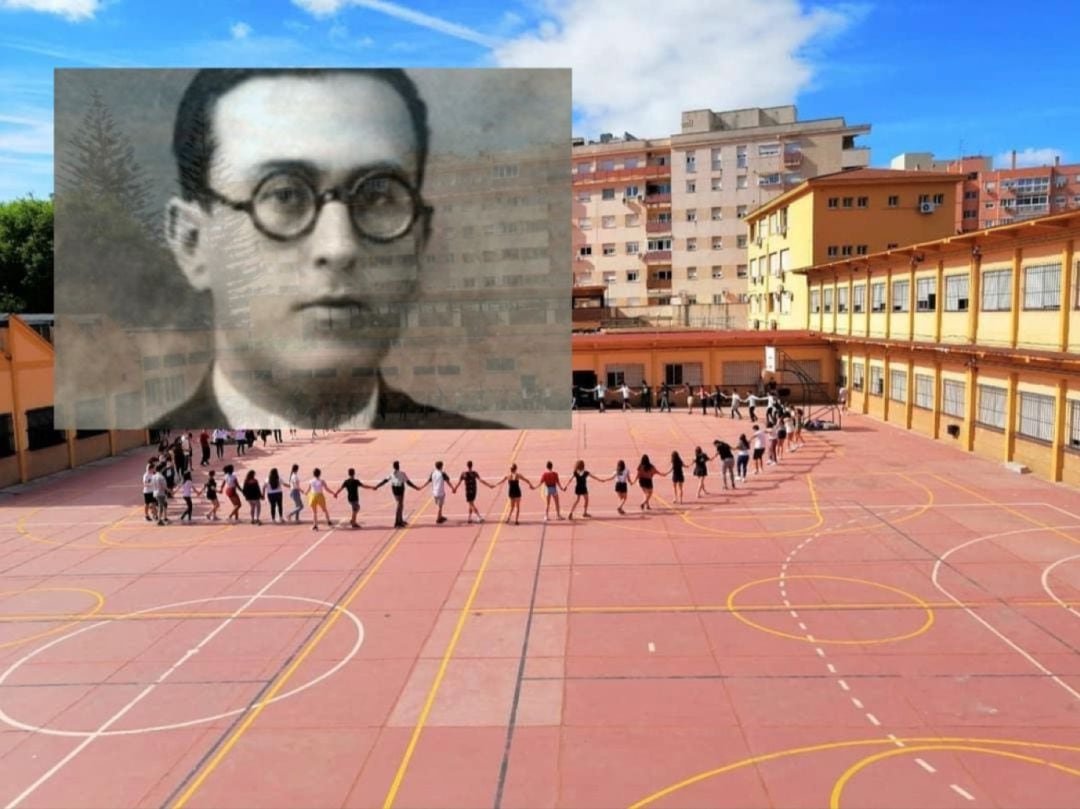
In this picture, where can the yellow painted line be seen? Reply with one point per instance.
(808, 529)
(737, 613)
(817, 748)
(91, 614)
(1009, 509)
(255, 710)
(819, 607)
(444, 664)
(150, 616)
(838, 788)
(814, 499)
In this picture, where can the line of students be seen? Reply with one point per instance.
(763, 447)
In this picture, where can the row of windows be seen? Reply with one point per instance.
(1035, 411)
(893, 201)
(1041, 290)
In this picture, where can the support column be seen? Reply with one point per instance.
(1067, 255)
(866, 377)
(850, 314)
(974, 285)
(886, 381)
(935, 429)
(939, 300)
(888, 305)
(970, 386)
(1014, 292)
(1057, 460)
(1011, 406)
(910, 403)
(911, 307)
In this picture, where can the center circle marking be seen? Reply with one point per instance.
(738, 613)
(82, 734)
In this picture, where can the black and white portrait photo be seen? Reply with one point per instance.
(334, 248)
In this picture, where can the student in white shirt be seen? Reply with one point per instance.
(438, 480)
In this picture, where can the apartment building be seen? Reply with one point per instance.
(846, 214)
(972, 338)
(991, 197)
(660, 221)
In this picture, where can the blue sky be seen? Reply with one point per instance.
(927, 76)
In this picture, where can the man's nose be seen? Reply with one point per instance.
(335, 242)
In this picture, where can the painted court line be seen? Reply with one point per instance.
(857, 703)
(873, 720)
(922, 763)
(894, 740)
(48, 774)
(844, 685)
(963, 793)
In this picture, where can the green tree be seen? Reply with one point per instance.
(26, 256)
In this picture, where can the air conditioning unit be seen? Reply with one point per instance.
(926, 207)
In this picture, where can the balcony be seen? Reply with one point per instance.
(658, 199)
(619, 175)
(792, 158)
(658, 257)
(658, 283)
(657, 227)
(855, 158)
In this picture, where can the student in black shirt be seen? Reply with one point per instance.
(469, 477)
(352, 486)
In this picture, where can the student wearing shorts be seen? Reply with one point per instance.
(645, 474)
(316, 492)
(758, 442)
(438, 480)
(513, 492)
(211, 496)
(469, 477)
(351, 486)
(550, 481)
(149, 501)
(623, 481)
(701, 469)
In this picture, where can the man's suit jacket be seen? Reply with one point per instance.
(396, 411)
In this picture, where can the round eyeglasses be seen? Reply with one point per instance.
(285, 205)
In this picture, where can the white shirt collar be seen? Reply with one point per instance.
(241, 411)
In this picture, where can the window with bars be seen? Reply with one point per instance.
(1036, 416)
(877, 380)
(924, 391)
(827, 300)
(39, 429)
(742, 373)
(997, 291)
(1073, 441)
(877, 297)
(628, 374)
(858, 302)
(685, 373)
(857, 375)
(1042, 286)
(841, 300)
(925, 295)
(956, 293)
(900, 290)
(952, 398)
(815, 301)
(7, 435)
(991, 408)
(898, 386)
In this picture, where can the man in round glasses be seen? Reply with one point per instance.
(301, 214)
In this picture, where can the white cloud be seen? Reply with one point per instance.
(240, 30)
(73, 10)
(638, 67)
(323, 8)
(26, 134)
(1029, 157)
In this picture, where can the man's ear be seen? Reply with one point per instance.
(185, 227)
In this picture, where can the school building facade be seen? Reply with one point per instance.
(972, 339)
(29, 445)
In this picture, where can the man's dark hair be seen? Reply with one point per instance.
(193, 135)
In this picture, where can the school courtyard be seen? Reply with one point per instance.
(879, 621)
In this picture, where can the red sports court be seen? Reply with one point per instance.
(878, 621)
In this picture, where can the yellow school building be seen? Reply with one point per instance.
(972, 339)
(29, 446)
(850, 214)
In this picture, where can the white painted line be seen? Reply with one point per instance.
(844, 685)
(936, 571)
(963, 793)
(802, 626)
(794, 614)
(873, 720)
(894, 740)
(782, 573)
(652, 646)
(820, 651)
(787, 603)
(857, 703)
(810, 638)
(48, 774)
(1045, 579)
(831, 667)
(924, 765)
